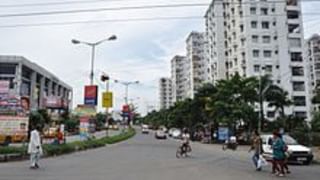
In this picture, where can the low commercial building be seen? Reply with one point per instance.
(27, 85)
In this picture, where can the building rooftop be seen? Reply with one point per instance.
(33, 66)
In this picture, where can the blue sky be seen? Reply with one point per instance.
(142, 52)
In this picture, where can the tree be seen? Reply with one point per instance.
(278, 98)
(315, 123)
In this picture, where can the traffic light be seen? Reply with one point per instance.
(105, 78)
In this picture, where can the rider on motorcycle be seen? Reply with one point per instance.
(185, 139)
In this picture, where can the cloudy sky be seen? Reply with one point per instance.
(142, 52)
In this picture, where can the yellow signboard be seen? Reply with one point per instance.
(107, 99)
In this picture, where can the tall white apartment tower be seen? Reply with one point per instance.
(312, 55)
(180, 76)
(165, 93)
(199, 65)
(257, 37)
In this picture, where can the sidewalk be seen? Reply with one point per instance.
(98, 135)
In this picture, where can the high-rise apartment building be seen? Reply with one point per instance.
(180, 76)
(258, 37)
(199, 66)
(312, 55)
(165, 93)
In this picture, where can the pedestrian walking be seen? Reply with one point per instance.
(278, 147)
(286, 156)
(257, 148)
(34, 148)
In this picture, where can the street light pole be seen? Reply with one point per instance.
(93, 49)
(126, 84)
(92, 63)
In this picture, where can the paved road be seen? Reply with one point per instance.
(144, 158)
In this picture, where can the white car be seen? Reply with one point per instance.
(145, 129)
(160, 134)
(176, 134)
(297, 153)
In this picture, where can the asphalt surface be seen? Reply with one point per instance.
(145, 158)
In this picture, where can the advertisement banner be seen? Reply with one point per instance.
(107, 100)
(53, 102)
(14, 125)
(223, 133)
(84, 127)
(14, 105)
(4, 87)
(91, 95)
(83, 110)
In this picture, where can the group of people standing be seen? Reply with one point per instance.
(279, 153)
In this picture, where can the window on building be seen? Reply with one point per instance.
(266, 39)
(268, 68)
(253, 11)
(241, 28)
(265, 25)
(267, 54)
(299, 100)
(254, 24)
(256, 68)
(270, 114)
(296, 56)
(297, 71)
(255, 53)
(264, 11)
(300, 114)
(295, 42)
(298, 86)
(255, 39)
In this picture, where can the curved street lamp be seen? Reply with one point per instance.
(93, 47)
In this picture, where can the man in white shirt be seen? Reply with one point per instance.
(34, 147)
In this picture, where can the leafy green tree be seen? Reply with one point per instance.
(315, 123)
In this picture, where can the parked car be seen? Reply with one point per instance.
(170, 132)
(164, 129)
(176, 134)
(297, 152)
(145, 129)
(160, 134)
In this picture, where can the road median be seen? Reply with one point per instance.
(20, 153)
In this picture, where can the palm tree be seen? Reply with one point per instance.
(278, 98)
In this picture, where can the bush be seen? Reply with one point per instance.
(13, 150)
(51, 150)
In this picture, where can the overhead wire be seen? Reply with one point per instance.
(141, 7)
(55, 3)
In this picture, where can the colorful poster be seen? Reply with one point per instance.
(84, 127)
(4, 87)
(107, 100)
(223, 133)
(91, 95)
(53, 102)
(14, 125)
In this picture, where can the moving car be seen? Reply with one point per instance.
(145, 129)
(160, 134)
(176, 134)
(297, 153)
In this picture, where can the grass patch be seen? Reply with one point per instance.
(51, 150)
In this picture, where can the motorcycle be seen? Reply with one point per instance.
(230, 144)
(183, 150)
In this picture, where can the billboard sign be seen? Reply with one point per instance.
(53, 102)
(107, 100)
(4, 87)
(91, 95)
(14, 125)
(125, 108)
(223, 133)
